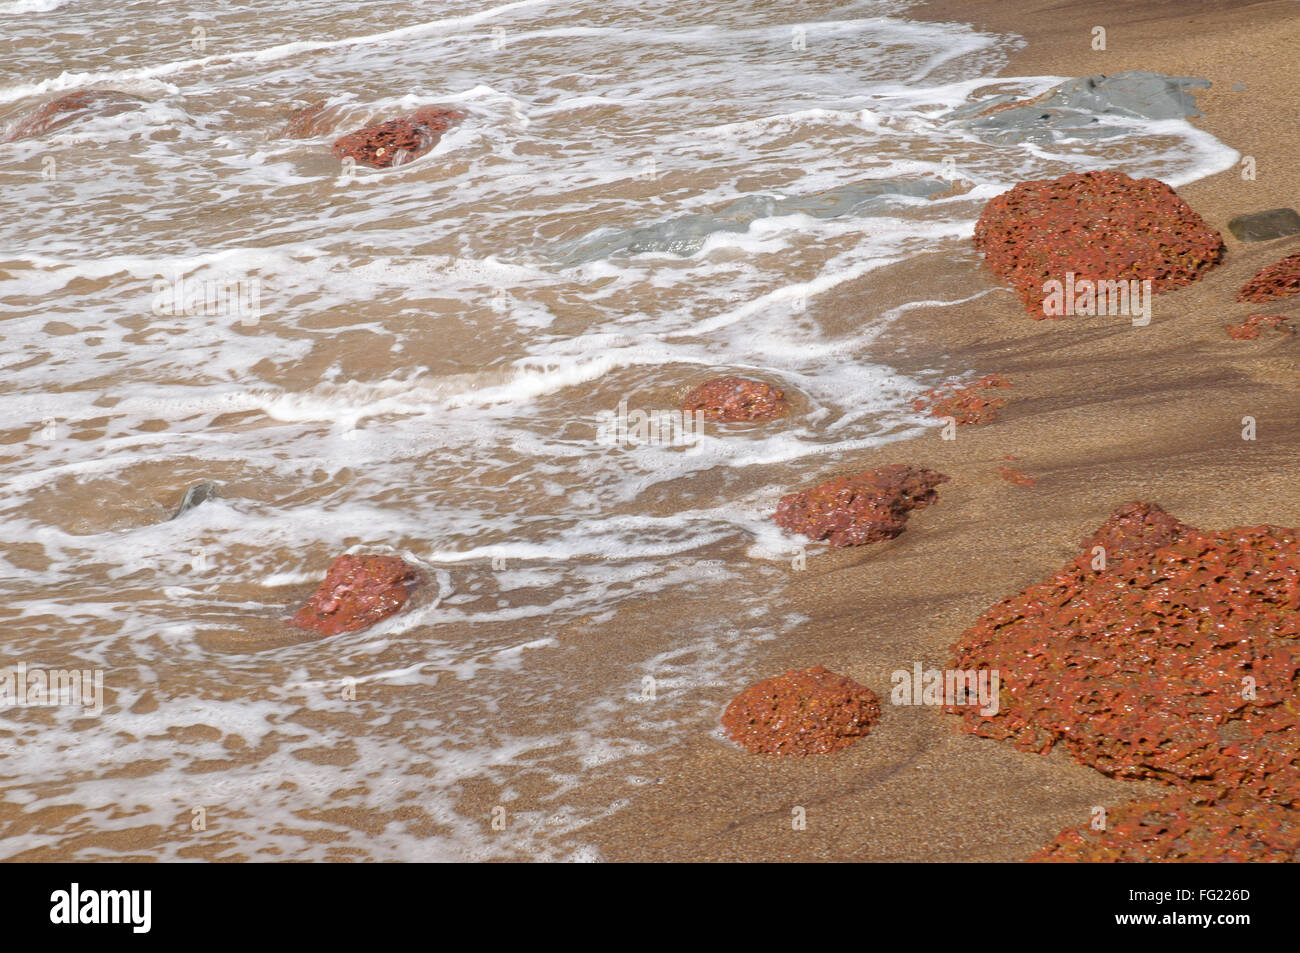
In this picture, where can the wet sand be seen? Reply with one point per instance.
(1101, 413)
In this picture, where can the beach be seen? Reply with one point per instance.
(625, 202)
(1101, 413)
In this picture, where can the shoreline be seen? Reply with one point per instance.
(1102, 413)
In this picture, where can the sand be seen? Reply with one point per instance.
(1101, 412)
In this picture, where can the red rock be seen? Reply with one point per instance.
(1012, 475)
(1177, 829)
(1135, 528)
(71, 108)
(800, 713)
(1174, 659)
(863, 508)
(1102, 226)
(736, 398)
(1279, 280)
(1254, 324)
(964, 401)
(398, 140)
(358, 591)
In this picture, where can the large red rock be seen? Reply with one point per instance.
(71, 108)
(1177, 829)
(358, 591)
(1161, 652)
(398, 141)
(1102, 226)
(863, 508)
(813, 711)
(1279, 280)
(736, 398)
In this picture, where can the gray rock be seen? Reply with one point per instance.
(1265, 226)
(198, 493)
(1076, 108)
(686, 235)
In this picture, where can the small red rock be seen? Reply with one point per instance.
(736, 398)
(1012, 475)
(964, 401)
(813, 711)
(863, 508)
(1254, 324)
(398, 141)
(358, 591)
(1279, 280)
(80, 105)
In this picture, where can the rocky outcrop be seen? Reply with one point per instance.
(813, 711)
(863, 508)
(1176, 829)
(1095, 227)
(687, 234)
(358, 591)
(1161, 652)
(1089, 108)
(398, 141)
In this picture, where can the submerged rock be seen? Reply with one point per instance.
(1076, 108)
(311, 121)
(736, 398)
(1265, 226)
(71, 108)
(198, 493)
(964, 401)
(1279, 280)
(358, 591)
(398, 141)
(1255, 324)
(1095, 227)
(863, 508)
(687, 235)
(1178, 829)
(1161, 652)
(813, 711)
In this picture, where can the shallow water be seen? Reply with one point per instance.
(412, 362)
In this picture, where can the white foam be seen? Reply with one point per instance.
(66, 80)
(31, 6)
